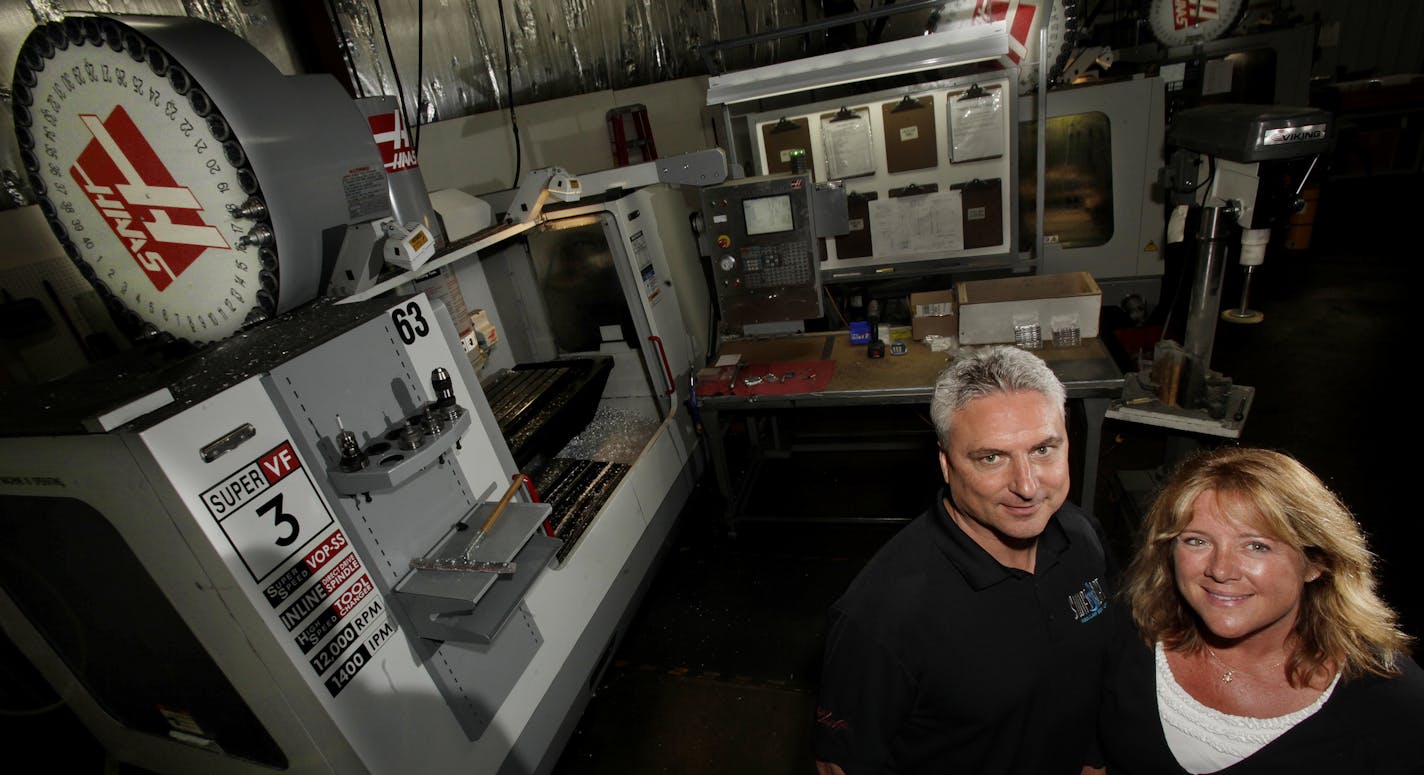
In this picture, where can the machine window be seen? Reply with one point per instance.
(1078, 200)
(579, 285)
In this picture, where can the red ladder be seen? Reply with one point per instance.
(631, 135)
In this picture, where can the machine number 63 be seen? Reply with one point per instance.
(410, 322)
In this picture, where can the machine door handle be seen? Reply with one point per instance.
(662, 353)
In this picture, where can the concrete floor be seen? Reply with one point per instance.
(718, 671)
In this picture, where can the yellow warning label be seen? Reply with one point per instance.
(1150, 247)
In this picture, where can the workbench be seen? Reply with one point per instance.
(802, 380)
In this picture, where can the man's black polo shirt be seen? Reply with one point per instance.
(941, 660)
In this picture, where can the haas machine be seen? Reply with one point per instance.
(357, 498)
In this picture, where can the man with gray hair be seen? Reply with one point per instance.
(973, 641)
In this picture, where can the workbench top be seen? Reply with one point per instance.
(1086, 370)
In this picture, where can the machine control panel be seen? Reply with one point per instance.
(760, 234)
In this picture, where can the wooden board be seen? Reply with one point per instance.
(917, 369)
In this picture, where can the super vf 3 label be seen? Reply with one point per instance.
(302, 564)
(268, 510)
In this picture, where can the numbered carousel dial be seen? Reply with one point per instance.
(1188, 22)
(143, 181)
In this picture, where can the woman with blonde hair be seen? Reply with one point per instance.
(1260, 644)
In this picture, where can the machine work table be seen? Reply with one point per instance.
(780, 374)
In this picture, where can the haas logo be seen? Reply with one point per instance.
(393, 140)
(1190, 13)
(159, 222)
(1019, 17)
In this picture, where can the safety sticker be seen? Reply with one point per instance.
(650, 282)
(651, 286)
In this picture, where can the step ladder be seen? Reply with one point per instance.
(631, 135)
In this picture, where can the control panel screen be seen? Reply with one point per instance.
(768, 214)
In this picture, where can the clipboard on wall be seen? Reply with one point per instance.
(856, 243)
(914, 189)
(847, 144)
(781, 138)
(910, 136)
(976, 123)
(983, 212)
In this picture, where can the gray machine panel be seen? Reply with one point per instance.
(404, 522)
(760, 233)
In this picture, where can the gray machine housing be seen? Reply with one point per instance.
(1129, 264)
(458, 650)
(322, 365)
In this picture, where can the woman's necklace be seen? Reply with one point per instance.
(1230, 672)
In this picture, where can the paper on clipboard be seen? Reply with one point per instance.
(976, 124)
(908, 225)
(848, 143)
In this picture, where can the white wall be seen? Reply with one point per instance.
(477, 153)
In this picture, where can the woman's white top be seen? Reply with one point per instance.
(1206, 740)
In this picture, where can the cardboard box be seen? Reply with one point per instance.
(933, 313)
(987, 309)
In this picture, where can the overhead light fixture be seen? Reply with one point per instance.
(959, 45)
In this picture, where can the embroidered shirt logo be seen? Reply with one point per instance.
(827, 719)
(1089, 601)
